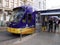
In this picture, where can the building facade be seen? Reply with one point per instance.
(6, 6)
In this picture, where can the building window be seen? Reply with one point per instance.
(6, 0)
(1, 11)
(12, 1)
(39, 5)
(12, 5)
(7, 3)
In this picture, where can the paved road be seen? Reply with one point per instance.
(4, 36)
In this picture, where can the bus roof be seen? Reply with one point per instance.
(28, 9)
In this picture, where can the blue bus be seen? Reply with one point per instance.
(22, 20)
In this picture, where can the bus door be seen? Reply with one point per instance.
(30, 20)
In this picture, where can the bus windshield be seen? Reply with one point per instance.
(16, 16)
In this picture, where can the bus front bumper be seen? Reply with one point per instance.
(21, 30)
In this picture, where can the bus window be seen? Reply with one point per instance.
(24, 19)
(16, 16)
(29, 18)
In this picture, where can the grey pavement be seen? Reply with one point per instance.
(4, 36)
(43, 38)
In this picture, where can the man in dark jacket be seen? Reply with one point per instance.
(50, 25)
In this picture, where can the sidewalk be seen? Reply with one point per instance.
(42, 39)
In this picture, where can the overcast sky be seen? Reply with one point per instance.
(52, 4)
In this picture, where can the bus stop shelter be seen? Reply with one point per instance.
(45, 14)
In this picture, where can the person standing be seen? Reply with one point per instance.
(50, 25)
(55, 26)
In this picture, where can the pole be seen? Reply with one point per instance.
(40, 23)
(53, 26)
(20, 34)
